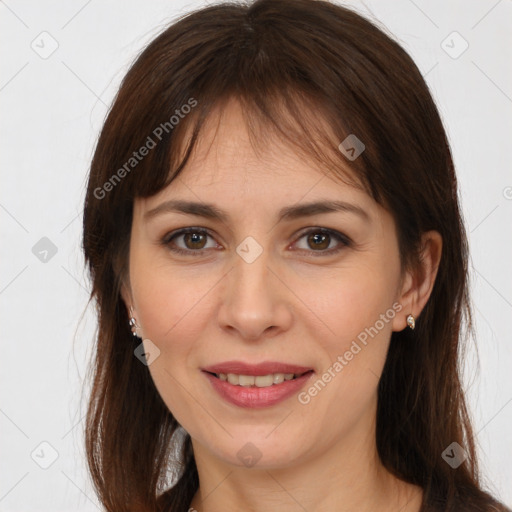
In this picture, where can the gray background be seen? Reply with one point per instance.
(53, 107)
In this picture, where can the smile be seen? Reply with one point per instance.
(260, 381)
(260, 391)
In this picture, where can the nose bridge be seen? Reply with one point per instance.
(251, 302)
(250, 277)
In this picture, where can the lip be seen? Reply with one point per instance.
(259, 369)
(254, 397)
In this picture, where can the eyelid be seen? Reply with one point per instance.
(168, 237)
(343, 240)
(320, 229)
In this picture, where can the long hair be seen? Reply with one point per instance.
(297, 67)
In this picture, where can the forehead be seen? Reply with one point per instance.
(242, 167)
(233, 150)
(240, 171)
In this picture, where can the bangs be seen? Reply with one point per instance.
(292, 118)
(293, 87)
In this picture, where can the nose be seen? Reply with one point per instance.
(255, 303)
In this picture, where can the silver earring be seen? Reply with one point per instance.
(410, 322)
(133, 323)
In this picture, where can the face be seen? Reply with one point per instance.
(320, 290)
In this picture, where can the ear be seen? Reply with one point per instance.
(418, 283)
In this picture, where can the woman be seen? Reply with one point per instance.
(272, 212)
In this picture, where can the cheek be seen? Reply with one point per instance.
(171, 311)
(357, 311)
(349, 300)
(356, 307)
(168, 299)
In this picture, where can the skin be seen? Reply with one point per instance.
(292, 304)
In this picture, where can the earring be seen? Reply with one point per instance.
(410, 322)
(133, 323)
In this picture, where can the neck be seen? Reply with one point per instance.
(348, 476)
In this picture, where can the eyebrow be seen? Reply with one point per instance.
(210, 211)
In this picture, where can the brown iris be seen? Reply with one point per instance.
(195, 238)
(319, 240)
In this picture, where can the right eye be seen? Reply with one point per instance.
(193, 238)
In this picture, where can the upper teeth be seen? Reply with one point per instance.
(261, 381)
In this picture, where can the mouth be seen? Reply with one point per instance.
(258, 381)
(257, 391)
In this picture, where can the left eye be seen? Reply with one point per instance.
(195, 241)
(321, 238)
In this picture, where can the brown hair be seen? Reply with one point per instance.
(304, 58)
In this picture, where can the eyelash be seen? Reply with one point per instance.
(168, 238)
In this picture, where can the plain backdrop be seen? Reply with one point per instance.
(61, 65)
